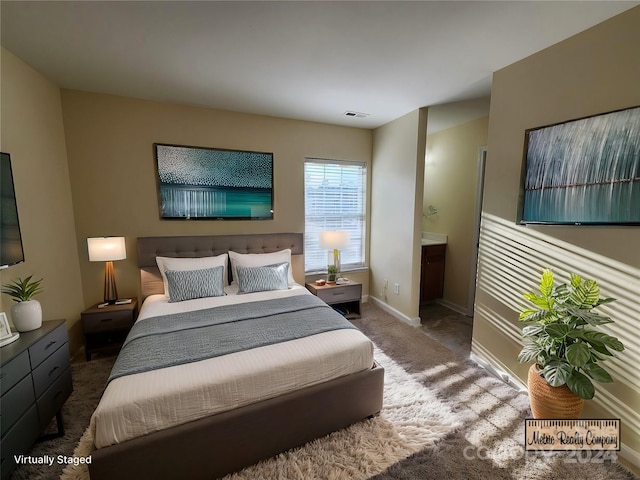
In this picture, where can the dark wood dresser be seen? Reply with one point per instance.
(35, 381)
(432, 272)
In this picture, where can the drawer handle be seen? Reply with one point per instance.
(53, 370)
(338, 293)
(106, 320)
(53, 342)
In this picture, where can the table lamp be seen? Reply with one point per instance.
(334, 240)
(107, 249)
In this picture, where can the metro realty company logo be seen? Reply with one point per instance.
(572, 434)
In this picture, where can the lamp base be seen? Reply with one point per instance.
(110, 290)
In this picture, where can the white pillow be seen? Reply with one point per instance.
(182, 264)
(260, 260)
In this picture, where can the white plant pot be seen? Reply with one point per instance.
(27, 315)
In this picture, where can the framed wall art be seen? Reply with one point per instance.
(211, 183)
(583, 172)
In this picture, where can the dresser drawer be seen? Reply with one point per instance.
(15, 402)
(344, 293)
(47, 345)
(14, 371)
(19, 439)
(49, 370)
(53, 399)
(103, 322)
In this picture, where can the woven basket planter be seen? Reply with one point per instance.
(551, 402)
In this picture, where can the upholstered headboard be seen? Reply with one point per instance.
(206, 246)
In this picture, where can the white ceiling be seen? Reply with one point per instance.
(308, 60)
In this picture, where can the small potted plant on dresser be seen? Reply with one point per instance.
(26, 313)
(563, 341)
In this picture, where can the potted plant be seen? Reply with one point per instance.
(332, 273)
(26, 313)
(563, 340)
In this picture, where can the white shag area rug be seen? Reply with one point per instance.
(412, 419)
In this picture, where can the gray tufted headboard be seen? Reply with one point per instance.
(206, 246)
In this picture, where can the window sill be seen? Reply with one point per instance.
(346, 270)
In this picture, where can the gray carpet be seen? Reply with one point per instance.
(487, 446)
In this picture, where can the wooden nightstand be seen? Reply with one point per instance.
(345, 296)
(106, 328)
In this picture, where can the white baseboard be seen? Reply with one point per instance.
(414, 322)
(365, 298)
(630, 456)
(455, 307)
(498, 373)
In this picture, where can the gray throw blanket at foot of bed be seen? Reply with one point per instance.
(179, 338)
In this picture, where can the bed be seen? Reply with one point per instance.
(212, 416)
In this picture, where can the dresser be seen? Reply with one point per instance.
(35, 381)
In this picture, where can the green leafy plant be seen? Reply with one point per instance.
(332, 272)
(22, 290)
(562, 337)
(430, 211)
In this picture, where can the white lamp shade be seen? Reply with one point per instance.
(332, 239)
(106, 249)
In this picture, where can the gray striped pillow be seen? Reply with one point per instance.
(262, 279)
(190, 284)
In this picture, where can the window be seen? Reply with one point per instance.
(334, 196)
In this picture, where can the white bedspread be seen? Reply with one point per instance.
(139, 404)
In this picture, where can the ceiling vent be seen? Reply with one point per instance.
(350, 113)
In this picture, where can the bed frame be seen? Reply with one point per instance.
(219, 444)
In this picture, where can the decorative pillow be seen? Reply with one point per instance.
(190, 284)
(260, 260)
(172, 263)
(262, 279)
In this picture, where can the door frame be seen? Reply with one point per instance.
(482, 160)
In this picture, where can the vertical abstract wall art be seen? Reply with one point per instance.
(583, 172)
(210, 183)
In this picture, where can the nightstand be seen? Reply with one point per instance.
(346, 296)
(106, 328)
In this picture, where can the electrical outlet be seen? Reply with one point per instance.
(396, 288)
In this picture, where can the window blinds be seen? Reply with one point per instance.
(334, 194)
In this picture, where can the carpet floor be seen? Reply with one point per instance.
(443, 417)
(89, 380)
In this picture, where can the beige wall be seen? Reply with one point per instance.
(32, 132)
(396, 211)
(450, 183)
(113, 177)
(593, 72)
